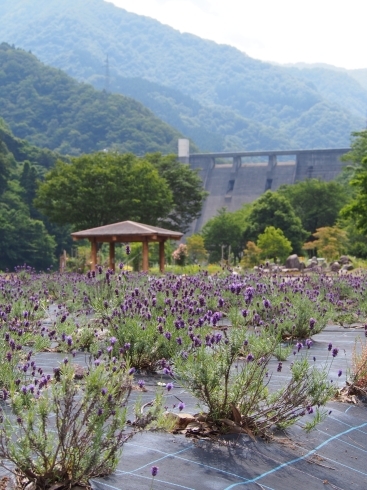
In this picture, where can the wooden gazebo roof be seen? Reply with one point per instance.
(127, 231)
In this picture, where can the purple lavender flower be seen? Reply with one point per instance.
(141, 383)
(69, 340)
(309, 343)
(340, 372)
(266, 303)
(330, 346)
(154, 471)
(335, 352)
(279, 368)
(169, 386)
(132, 370)
(128, 250)
(312, 323)
(250, 357)
(299, 346)
(181, 406)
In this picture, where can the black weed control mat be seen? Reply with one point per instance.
(333, 456)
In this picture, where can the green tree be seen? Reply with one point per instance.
(330, 242)
(187, 190)
(104, 188)
(273, 209)
(196, 248)
(358, 148)
(315, 202)
(251, 255)
(23, 239)
(221, 232)
(357, 208)
(273, 244)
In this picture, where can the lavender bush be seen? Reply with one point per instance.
(64, 431)
(237, 390)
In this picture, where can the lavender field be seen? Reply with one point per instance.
(245, 353)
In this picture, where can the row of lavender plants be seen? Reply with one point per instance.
(217, 335)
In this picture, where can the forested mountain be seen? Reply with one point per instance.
(50, 109)
(338, 86)
(214, 93)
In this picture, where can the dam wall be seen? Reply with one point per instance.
(235, 178)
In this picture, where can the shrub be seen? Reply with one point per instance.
(237, 390)
(67, 432)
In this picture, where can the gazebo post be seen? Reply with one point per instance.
(94, 255)
(145, 256)
(161, 255)
(112, 255)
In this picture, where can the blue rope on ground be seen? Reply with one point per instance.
(296, 460)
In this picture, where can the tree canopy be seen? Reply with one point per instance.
(104, 188)
(315, 202)
(273, 209)
(357, 208)
(273, 244)
(187, 191)
(221, 232)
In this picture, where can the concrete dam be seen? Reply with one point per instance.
(235, 178)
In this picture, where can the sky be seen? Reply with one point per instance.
(280, 31)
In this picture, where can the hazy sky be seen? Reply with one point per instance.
(283, 31)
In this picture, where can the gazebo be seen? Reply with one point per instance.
(125, 232)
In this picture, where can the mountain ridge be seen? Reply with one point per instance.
(245, 103)
(50, 109)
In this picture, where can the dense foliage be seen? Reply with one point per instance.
(187, 190)
(25, 235)
(222, 234)
(104, 188)
(50, 109)
(272, 209)
(214, 93)
(315, 202)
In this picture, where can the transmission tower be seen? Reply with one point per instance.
(107, 75)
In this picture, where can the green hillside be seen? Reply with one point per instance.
(337, 86)
(52, 110)
(214, 93)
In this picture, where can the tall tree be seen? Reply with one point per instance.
(187, 190)
(357, 208)
(273, 244)
(273, 209)
(220, 234)
(104, 188)
(315, 202)
(358, 148)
